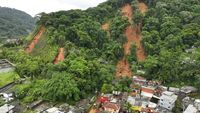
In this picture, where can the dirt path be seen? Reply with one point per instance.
(60, 56)
(35, 40)
(133, 37)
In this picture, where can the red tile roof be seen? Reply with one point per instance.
(111, 106)
(104, 99)
(147, 90)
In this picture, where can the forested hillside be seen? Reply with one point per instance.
(166, 48)
(171, 38)
(14, 23)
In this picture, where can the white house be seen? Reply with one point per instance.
(6, 108)
(190, 109)
(197, 104)
(131, 100)
(167, 100)
(53, 110)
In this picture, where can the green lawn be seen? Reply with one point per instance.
(6, 78)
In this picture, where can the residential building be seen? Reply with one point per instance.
(197, 104)
(131, 100)
(7, 108)
(174, 89)
(167, 100)
(53, 110)
(111, 107)
(139, 80)
(190, 109)
(6, 66)
(153, 102)
(188, 89)
(147, 91)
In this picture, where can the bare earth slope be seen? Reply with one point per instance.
(60, 56)
(35, 40)
(133, 37)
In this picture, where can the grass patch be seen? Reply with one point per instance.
(44, 49)
(6, 78)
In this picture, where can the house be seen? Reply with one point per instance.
(147, 91)
(190, 109)
(53, 110)
(148, 110)
(13, 41)
(6, 97)
(197, 104)
(111, 107)
(167, 100)
(6, 66)
(131, 100)
(103, 99)
(173, 89)
(188, 89)
(153, 103)
(139, 80)
(186, 102)
(7, 108)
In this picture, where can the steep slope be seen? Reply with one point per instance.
(15, 23)
(140, 50)
(35, 40)
(133, 37)
(60, 56)
(123, 68)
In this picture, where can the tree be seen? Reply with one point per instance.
(61, 87)
(107, 88)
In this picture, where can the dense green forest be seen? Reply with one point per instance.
(15, 23)
(171, 39)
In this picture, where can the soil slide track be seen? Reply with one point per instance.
(142, 7)
(60, 56)
(140, 50)
(133, 37)
(123, 67)
(35, 40)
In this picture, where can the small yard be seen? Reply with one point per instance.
(6, 78)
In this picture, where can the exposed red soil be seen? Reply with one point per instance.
(133, 37)
(35, 40)
(60, 56)
(105, 26)
(127, 12)
(123, 69)
(142, 7)
(140, 50)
